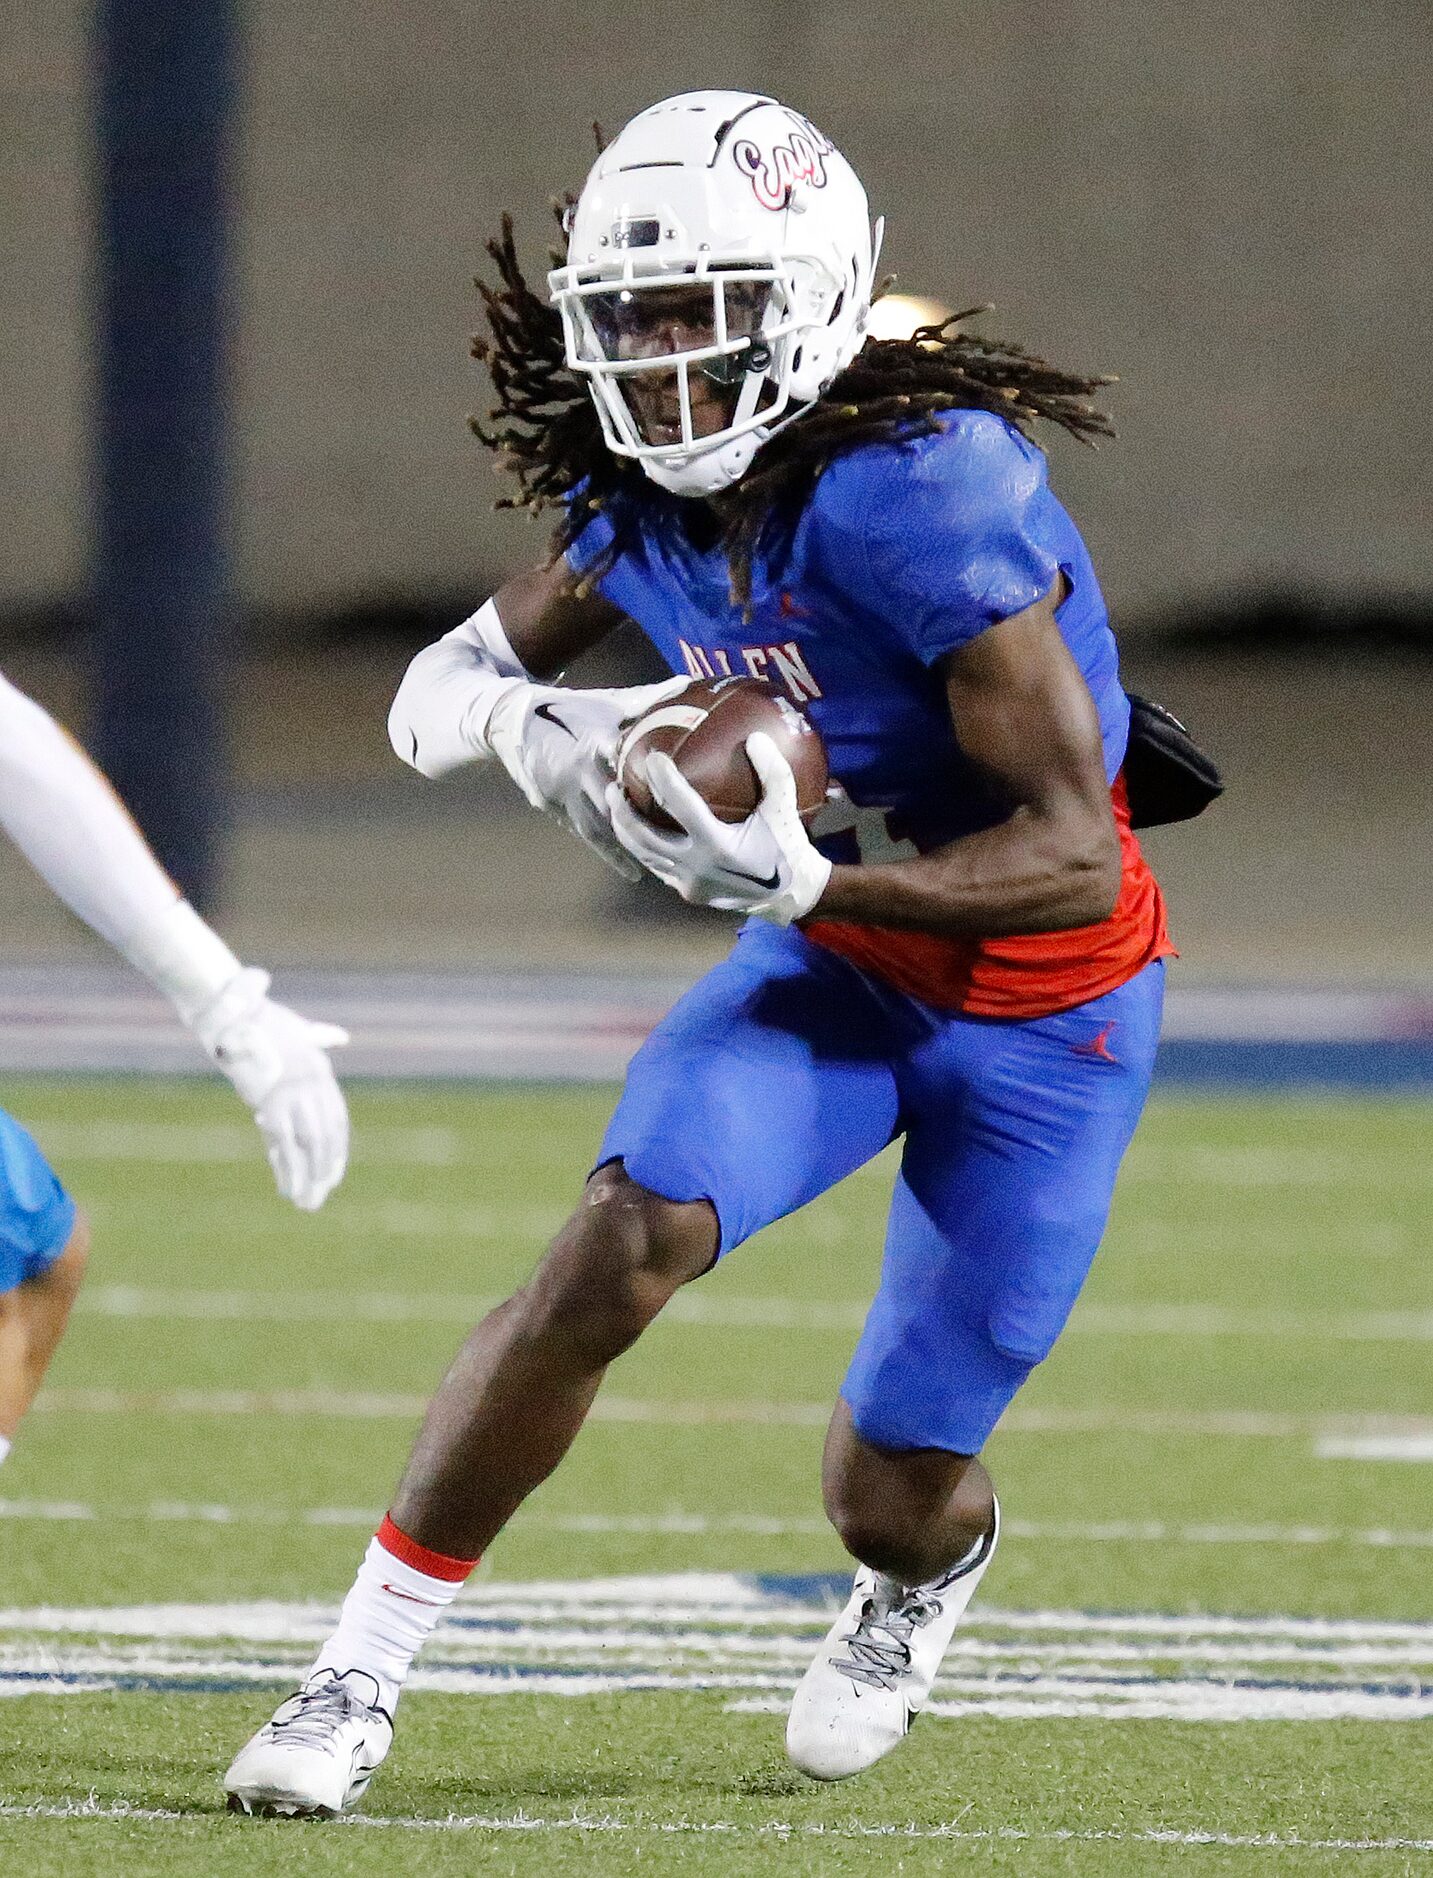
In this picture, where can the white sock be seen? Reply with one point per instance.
(386, 1618)
(4, 1449)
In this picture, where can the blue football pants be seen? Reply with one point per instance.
(787, 1067)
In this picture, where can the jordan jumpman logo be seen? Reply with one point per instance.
(1098, 1047)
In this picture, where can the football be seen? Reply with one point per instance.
(704, 731)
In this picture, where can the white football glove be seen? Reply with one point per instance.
(279, 1064)
(765, 865)
(560, 747)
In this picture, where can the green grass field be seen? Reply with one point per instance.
(238, 1392)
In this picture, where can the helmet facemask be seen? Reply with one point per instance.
(679, 361)
(704, 316)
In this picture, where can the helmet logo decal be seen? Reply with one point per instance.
(774, 174)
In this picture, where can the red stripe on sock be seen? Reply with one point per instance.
(408, 1551)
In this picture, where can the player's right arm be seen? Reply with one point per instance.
(477, 693)
(547, 622)
(62, 815)
(452, 691)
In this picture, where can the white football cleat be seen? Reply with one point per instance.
(875, 1667)
(317, 1755)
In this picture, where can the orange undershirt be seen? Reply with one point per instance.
(1031, 975)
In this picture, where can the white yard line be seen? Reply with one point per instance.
(1121, 1698)
(363, 1405)
(277, 1307)
(346, 1405)
(731, 1603)
(753, 1525)
(61, 1671)
(718, 1310)
(1176, 1165)
(491, 1645)
(1217, 1320)
(1417, 1447)
(954, 1832)
(432, 1219)
(748, 1638)
(200, 1513)
(338, 1307)
(348, 1218)
(167, 1143)
(1118, 1694)
(1170, 1700)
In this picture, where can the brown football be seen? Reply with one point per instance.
(704, 731)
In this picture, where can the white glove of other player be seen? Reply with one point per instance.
(560, 747)
(765, 865)
(278, 1062)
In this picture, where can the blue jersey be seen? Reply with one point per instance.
(904, 553)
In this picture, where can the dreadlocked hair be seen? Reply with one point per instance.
(544, 431)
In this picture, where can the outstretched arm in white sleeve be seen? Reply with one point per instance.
(58, 809)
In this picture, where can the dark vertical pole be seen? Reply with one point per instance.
(165, 75)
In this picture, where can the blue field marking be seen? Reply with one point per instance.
(823, 1591)
(1223, 1063)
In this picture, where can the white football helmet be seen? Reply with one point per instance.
(719, 272)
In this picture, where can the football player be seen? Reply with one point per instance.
(66, 820)
(970, 959)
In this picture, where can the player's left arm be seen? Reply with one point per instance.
(1024, 716)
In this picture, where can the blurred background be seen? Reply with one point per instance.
(238, 486)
